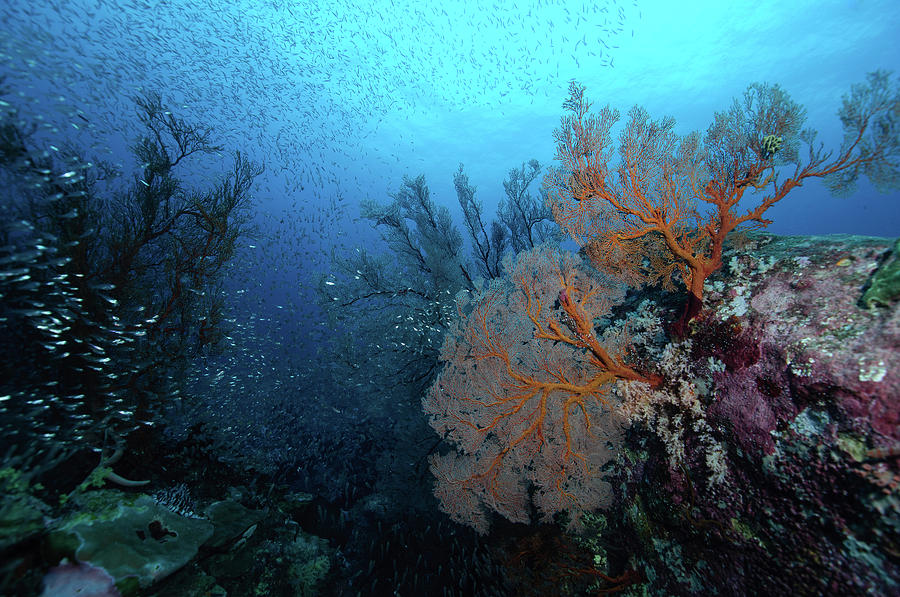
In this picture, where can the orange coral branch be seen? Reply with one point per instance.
(660, 178)
(525, 408)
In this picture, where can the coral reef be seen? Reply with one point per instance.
(780, 475)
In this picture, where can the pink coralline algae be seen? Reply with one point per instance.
(800, 307)
(798, 383)
(79, 580)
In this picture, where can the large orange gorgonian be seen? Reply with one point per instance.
(638, 209)
(523, 395)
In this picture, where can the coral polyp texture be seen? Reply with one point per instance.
(524, 395)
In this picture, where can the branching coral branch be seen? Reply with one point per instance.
(524, 395)
(648, 199)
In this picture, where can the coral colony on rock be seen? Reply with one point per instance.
(620, 383)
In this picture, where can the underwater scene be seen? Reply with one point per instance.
(458, 298)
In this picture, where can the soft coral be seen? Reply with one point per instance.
(647, 203)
